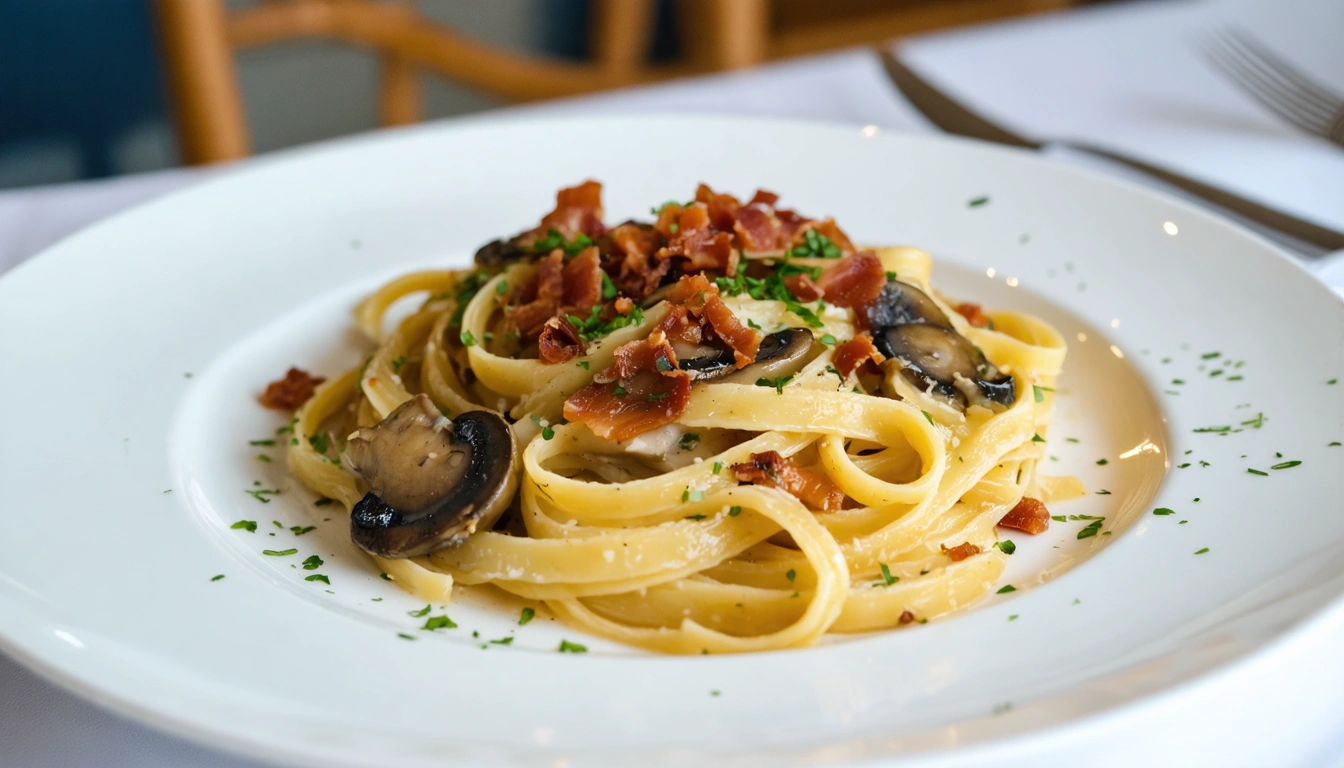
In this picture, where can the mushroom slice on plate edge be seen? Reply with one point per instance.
(433, 481)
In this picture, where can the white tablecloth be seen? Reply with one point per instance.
(42, 726)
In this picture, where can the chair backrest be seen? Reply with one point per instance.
(200, 38)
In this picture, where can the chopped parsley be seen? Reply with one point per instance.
(398, 363)
(1005, 589)
(694, 517)
(1210, 355)
(261, 442)
(322, 502)
(319, 442)
(887, 578)
(1201, 551)
(1037, 439)
(468, 340)
(245, 525)
(260, 494)
(619, 391)
(718, 467)
(653, 398)
(405, 636)
(280, 552)
(439, 622)
(1006, 546)
(593, 327)
(827, 339)
(568, 647)
(501, 288)
(608, 288)
(778, 383)
(1102, 462)
(554, 239)
(1164, 511)
(977, 202)
(502, 641)
(527, 615)
(734, 511)
(692, 496)
(1091, 530)
(816, 246)
(1286, 464)
(689, 441)
(420, 613)
(217, 578)
(300, 530)
(583, 364)
(1257, 472)
(313, 562)
(547, 432)
(318, 577)
(928, 416)
(791, 575)
(1040, 391)
(1213, 429)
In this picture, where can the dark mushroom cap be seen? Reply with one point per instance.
(497, 254)
(780, 354)
(902, 304)
(432, 481)
(942, 361)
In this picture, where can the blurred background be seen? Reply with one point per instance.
(96, 88)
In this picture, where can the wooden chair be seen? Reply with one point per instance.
(201, 36)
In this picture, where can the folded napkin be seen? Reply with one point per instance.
(1132, 77)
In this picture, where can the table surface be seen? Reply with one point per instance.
(42, 725)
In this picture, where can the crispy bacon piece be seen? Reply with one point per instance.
(973, 314)
(802, 287)
(813, 488)
(854, 282)
(652, 353)
(702, 298)
(690, 235)
(680, 326)
(292, 391)
(578, 210)
(559, 341)
(643, 389)
(759, 230)
(722, 208)
(961, 551)
(1030, 516)
(855, 353)
(637, 271)
(582, 282)
(528, 318)
(623, 305)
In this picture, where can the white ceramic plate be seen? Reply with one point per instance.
(133, 351)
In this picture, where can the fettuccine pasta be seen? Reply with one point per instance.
(732, 430)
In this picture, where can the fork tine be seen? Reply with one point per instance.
(1263, 88)
(1324, 97)
(1273, 85)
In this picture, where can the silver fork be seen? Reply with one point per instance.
(1280, 86)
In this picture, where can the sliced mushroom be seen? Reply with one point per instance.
(497, 254)
(432, 481)
(941, 361)
(901, 304)
(781, 354)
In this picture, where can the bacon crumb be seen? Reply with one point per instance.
(961, 551)
(856, 353)
(1030, 516)
(292, 391)
(582, 281)
(702, 299)
(642, 389)
(906, 617)
(623, 305)
(559, 341)
(854, 282)
(973, 314)
(802, 287)
(813, 488)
